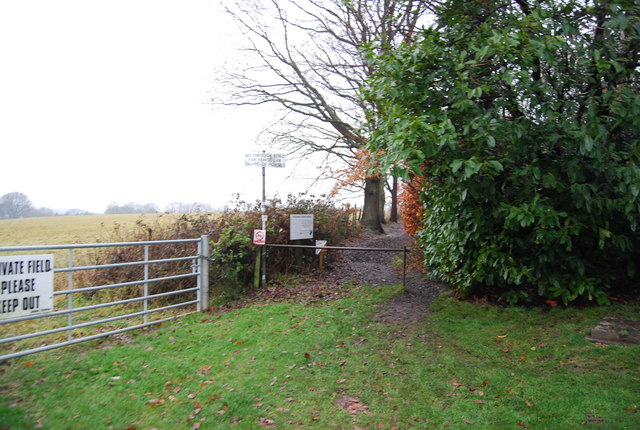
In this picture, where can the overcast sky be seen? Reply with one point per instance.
(108, 101)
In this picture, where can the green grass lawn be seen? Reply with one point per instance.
(329, 366)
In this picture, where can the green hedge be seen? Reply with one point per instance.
(525, 124)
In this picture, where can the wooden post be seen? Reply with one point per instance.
(256, 272)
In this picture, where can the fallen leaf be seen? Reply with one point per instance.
(455, 382)
(341, 381)
(353, 405)
(204, 370)
(592, 418)
(265, 422)
(468, 422)
(29, 363)
(528, 403)
(191, 396)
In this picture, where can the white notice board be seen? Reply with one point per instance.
(26, 285)
(300, 227)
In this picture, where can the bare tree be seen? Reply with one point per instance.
(309, 57)
(15, 205)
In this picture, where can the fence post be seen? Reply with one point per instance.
(204, 273)
(70, 297)
(145, 287)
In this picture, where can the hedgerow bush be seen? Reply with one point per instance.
(331, 223)
(230, 235)
(162, 227)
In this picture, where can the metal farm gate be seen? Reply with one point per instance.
(82, 320)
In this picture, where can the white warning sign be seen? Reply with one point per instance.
(26, 285)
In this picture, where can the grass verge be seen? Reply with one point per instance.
(329, 366)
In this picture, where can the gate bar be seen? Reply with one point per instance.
(344, 248)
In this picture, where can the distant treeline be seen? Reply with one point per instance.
(18, 205)
(150, 208)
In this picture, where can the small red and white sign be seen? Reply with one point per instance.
(259, 237)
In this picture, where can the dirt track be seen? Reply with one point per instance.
(373, 268)
(378, 268)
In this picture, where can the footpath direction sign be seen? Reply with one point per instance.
(259, 237)
(26, 285)
(301, 226)
(264, 160)
(321, 243)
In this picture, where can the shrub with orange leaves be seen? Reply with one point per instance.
(411, 204)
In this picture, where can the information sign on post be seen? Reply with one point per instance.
(300, 227)
(26, 285)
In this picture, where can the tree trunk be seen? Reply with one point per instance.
(394, 200)
(370, 211)
(381, 202)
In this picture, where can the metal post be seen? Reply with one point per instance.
(204, 272)
(196, 267)
(263, 279)
(70, 296)
(145, 287)
(264, 185)
(404, 267)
